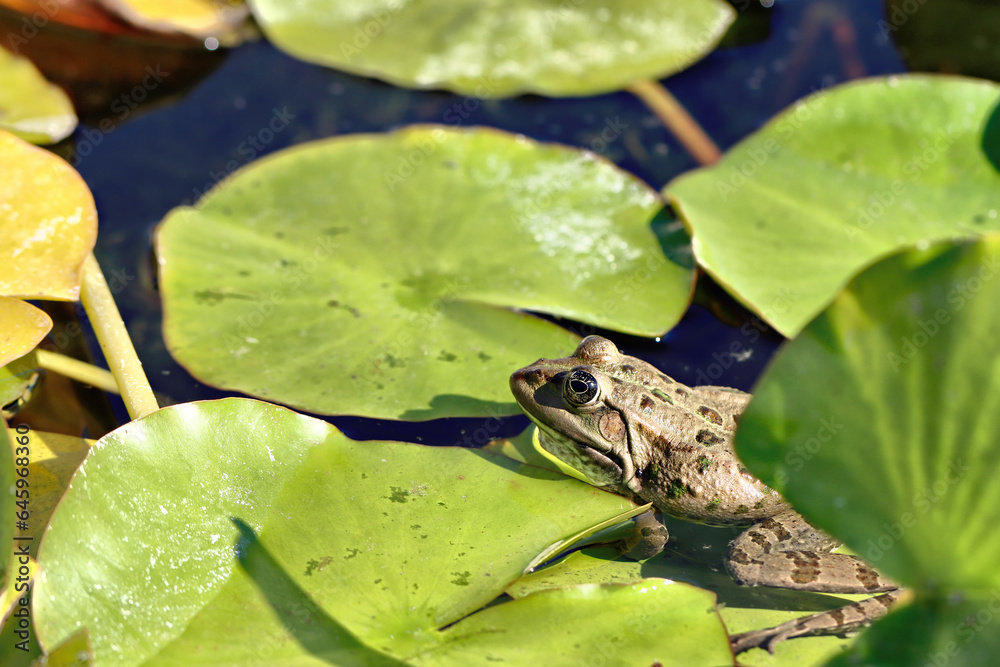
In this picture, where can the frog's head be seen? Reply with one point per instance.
(568, 399)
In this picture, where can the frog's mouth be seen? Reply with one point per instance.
(599, 468)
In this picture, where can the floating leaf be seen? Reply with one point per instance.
(52, 459)
(22, 327)
(18, 377)
(373, 274)
(199, 18)
(31, 107)
(649, 622)
(47, 221)
(879, 422)
(74, 652)
(245, 531)
(741, 607)
(551, 47)
(840, 179)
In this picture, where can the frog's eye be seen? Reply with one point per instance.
(581, 388)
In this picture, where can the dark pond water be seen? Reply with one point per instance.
(260, 101)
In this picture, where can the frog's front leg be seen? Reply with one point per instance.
(648, 538)
(786, 552)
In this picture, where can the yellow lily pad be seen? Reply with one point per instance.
(47, 221)
(199, 18)
(16, 380)
(22, 327)
(31, 107)
(52, 460)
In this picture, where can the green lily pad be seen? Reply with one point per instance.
(74, 652)
(373, 274)
(649, 622)
(695, 557)
(839, 180)
(31, 107)
(241, 531)
(498, 49)
(956, 633)
(879, 421)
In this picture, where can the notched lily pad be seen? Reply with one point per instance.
(243, 527)
(374, 274)
(840, 179)
(551, 47)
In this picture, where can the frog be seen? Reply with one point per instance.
(632, 430)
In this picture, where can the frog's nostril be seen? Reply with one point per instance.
(529, 376)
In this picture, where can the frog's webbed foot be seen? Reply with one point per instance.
(841, 621)
(649, 538)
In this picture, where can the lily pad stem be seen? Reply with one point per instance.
(676, 118)
(77, 370)
(115, 342)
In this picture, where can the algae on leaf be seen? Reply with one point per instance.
(381, 275)
(242, 531)
(499, 49)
